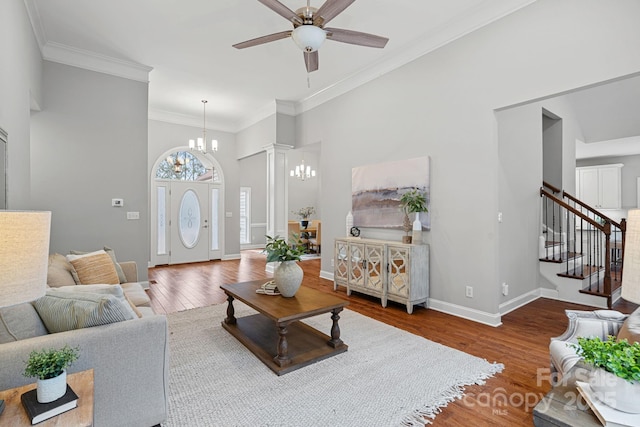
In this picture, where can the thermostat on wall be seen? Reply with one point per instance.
(117, 203)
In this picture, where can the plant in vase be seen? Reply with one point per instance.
(50, 368)
(615, 379)
(288, 275)
(304, 214)
(410, 202)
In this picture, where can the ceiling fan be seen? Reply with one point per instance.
(309, 30)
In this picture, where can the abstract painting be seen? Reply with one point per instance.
(376, 191)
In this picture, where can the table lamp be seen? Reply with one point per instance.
(24, 256)
(631, 270)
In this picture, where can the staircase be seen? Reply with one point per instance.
(581, 250)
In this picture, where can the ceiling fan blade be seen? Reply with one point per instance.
(282, 10)
(356, 37)
(264, 39)
(311, 60)
(329, 10)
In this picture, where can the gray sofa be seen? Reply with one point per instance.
(130, 359)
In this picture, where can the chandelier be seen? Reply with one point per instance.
(201, 143)
(177, 162)
(302, 172)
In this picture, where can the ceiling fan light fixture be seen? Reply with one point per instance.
(308, 37)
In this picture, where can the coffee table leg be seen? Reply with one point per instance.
(230, 320)
(335, 341)
(282, 359)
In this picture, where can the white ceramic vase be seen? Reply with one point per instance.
(615, 391)
(52, 388)
(417, 230)
(288, 278)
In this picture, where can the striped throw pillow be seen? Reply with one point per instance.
(63, 311)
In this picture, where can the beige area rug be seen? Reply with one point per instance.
(388, 377)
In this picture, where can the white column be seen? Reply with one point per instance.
(277, 190)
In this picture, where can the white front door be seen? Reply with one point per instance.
(190, 221)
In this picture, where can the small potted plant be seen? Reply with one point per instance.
(288, 275)
(615, 379)
(304, 214)
(413, 201)
(50, 368)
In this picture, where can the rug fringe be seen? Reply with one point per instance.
(418, 418)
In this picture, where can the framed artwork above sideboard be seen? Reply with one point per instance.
(376, 190)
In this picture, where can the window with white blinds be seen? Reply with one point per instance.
(245, 215)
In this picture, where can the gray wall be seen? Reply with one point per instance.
(253, 174)
(89, 145)
(442, 105)
(20, 87)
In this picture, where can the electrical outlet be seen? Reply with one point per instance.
(505, 289)
(469, 292)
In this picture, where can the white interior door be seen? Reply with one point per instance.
(189, 222)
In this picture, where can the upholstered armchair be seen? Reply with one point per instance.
(598, 323)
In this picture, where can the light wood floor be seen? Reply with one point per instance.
(521, 343)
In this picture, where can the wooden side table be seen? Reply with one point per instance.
(563, 406)
(81, 382)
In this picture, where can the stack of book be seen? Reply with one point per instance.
(608, 416)
(39, 412)
(268, 288)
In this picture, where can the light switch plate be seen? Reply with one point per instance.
(117, 203)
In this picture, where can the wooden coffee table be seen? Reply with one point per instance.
(275, 334)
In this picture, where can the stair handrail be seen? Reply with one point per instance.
(573, 210)
(620, 224)
(551, 187)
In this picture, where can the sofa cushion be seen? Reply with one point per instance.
(631, 328)
(20, 322)
(136, 293)
(94, 268)
(115, 290)
(60, 271)
(121, 276)
(62, 311)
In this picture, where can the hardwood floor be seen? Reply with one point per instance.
(521, 343)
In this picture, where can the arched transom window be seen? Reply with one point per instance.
(184, 166)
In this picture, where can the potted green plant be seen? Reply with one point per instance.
(615, 379)
(50, 369)
(413, 201)
(288, 275)
(304, 214)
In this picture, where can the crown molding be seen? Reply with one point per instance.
(268, 110)
(81, 58)
(192, 121)
(36, 22)
(441, 36)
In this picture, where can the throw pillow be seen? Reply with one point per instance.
(94, 268)
(63, 311)
(112, 254)
(115, 290)
(20, 322)
(59, 272)
(631, 328)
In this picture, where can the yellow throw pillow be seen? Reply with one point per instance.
(94, 268)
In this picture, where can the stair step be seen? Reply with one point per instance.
(581, 272)
(560, 258)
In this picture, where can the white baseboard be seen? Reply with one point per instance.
(252, 246)
(326, 275)
(228, 257)
(491, 319)
(519, 301)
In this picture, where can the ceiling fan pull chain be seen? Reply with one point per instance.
(308, 80)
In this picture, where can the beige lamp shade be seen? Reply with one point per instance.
(24, 253)
(631, 270)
